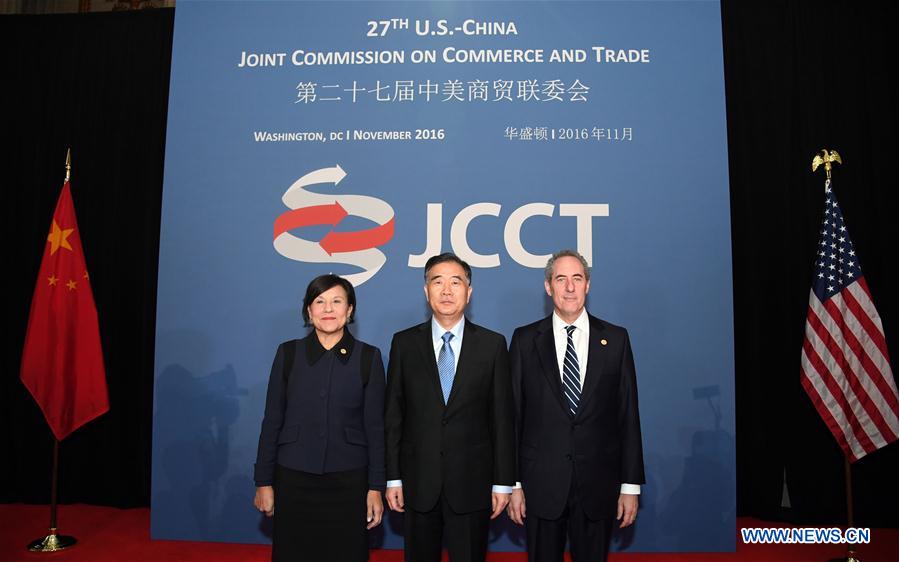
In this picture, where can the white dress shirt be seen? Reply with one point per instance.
(581, 338)
(437, 332)
(457, 331)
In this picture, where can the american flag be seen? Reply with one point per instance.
(845, 365)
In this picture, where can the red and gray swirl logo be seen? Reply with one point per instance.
(358, 248)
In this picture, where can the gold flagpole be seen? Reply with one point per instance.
(54, 542)
(828, 157)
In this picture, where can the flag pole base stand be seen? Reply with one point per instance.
(52, 542)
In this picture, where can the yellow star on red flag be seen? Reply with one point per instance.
(59, 237)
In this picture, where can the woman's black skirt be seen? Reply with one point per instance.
(320, 517)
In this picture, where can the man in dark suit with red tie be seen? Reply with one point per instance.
(579, 448)
(448, 423)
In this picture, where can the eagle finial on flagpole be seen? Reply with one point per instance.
(68, 162)
(826, 157)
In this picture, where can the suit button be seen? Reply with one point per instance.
(323, 393)
(568, 456)
(441, 453)
(322, 434)
(444, 422)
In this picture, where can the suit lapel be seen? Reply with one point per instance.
(595, 361)
(426, 348)
(546, 351)
(467, 354)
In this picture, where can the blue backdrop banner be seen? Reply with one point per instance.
(361, 138)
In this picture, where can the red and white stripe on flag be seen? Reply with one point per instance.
(846, 370)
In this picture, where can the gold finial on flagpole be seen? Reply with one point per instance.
(826, 157)
(68, 162)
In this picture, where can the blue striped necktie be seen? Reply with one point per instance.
(446, 366)
(571, 374)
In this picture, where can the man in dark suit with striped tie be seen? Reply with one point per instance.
(580, 455)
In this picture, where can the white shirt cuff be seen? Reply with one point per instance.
(633, 489)
(398, 484)
(497, 489)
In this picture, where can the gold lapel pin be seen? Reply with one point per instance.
(603, 341)
(343, 351)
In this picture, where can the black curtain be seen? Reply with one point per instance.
(801, 77)
(798, 77)
(97, 83)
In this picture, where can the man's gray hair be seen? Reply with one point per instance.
(548, 270)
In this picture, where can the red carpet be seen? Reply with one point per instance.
(116, 535)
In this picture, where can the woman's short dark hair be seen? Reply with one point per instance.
(324, 283)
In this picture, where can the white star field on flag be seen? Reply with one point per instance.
(837, 264)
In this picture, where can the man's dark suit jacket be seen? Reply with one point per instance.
(463, 448)
(602, 441)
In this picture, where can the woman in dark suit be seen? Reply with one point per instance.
(321, 448)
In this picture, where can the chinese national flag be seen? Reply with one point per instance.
(62, 363)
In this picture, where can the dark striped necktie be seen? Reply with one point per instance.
(571, 374)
